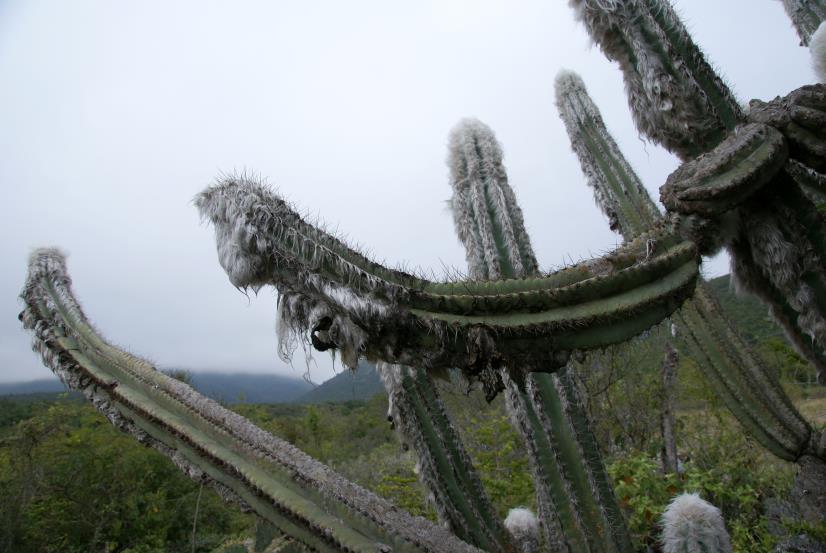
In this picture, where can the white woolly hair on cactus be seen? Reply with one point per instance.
(524, 527)
(817, 46)
(693, 525)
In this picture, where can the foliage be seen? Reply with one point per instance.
(70, 482)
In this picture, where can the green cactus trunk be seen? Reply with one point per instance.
(806, 15)
(738, 375)
(577, 507)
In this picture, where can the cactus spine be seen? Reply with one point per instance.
(806, 15)
(735, 373)
(693, 525)
(577, 506)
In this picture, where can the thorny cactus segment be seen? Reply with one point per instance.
(728, 175)
(577, 507)
(806, 15)
(693, 525)
(299, 495)
(741, 379)
(523, 526)
(817, 48)
(778, 255)
(675, 95)
(801, 117)
(443, 464)
(484, 206)
(738, 375)
(342, 300)
(561, 414)
(617, 189)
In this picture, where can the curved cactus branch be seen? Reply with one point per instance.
(735, 372)
(577, 507)
(299, 495)
(674, 94)
(343, 300)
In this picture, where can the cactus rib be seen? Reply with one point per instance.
(283, 485)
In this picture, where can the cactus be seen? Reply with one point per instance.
(817, 46)
(734, 189)
(444, 466)
(692, 525)
(577, 506)
(524, 528)
(749, 183)
(342, 300)
(806, 15)
(211, 444)
(738, 376)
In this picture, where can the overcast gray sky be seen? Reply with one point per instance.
(113, 115)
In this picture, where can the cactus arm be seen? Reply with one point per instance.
(444, 466)
(577, 507)
(343, 300)
(283, 485)
(675, 96)
(735, 372)
(617, 189)
(806, 15)
(484, 204)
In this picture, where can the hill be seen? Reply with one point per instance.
(362, 384)
(226, 387)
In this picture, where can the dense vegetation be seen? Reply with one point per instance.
(71, 482)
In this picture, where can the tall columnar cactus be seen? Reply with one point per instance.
(693, 525)
(736, 373)
(806, 15)
(744, 191)
(577, 507)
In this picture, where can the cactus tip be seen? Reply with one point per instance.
(692, 524)
(522, 522)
